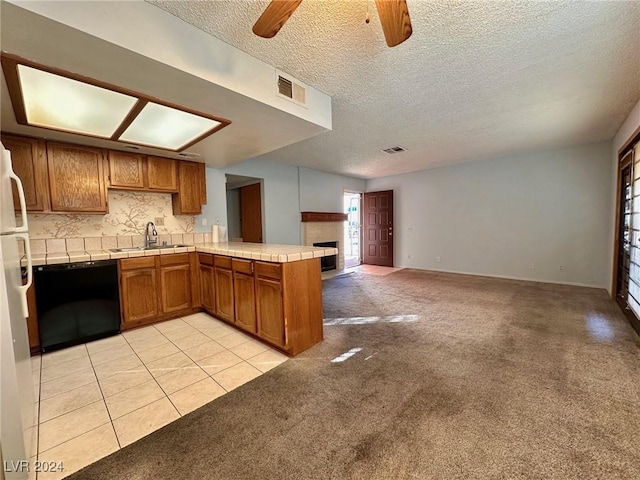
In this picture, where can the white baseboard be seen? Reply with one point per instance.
(552, 282)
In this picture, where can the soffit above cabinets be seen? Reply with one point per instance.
(173, 77)
(57, 100)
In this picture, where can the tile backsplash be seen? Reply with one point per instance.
(128, 214)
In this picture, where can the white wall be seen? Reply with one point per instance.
(286, 191)
(324, 192)
(496, 217)
(280, 204)
(625, 132)
(233, 213)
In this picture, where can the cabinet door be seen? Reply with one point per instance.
(245, 296)
(207, 287)
(188, 199)
(175, 288)
(28, 159)
(138, 289)
(162, 174)
(76, 178)
(270, 311)
(224, 294)
(125, 170)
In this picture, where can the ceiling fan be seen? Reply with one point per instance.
(394, 17)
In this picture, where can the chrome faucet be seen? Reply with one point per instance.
(150, 238)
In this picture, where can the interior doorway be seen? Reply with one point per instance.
(353, 230)
(244, 208)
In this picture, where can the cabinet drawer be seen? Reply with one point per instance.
(138, 262)
(269, 270)
(222, 261)
(242, 266)
(205, 258)
(174, 259)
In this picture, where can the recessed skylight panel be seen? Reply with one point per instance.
(165, 127)
(60, 103)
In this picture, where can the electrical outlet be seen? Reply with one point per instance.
(532, 265)
(159, 221)
(204, 221)
(438, 259)
(561, 268)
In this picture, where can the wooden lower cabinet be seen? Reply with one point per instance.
(270, 311)
(278, 303)
(225, 304)
(245, 301)
(156, 288)
(175, 287)
(207, 288)
(139, 294)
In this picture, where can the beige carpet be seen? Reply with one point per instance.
(433, 376)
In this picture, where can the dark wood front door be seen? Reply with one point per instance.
(378, 228)
(251, 213)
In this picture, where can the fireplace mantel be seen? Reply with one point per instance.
(323, 217)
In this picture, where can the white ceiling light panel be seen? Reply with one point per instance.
(53, 101)
(165, 127)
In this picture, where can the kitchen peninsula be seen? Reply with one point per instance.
(273, 292)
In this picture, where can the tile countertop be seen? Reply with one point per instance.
(256, 251)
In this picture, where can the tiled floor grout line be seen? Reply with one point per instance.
(144, 364)
(104, 398)
(37, 425)
(154, 379)
(79, 435)
(204, 371)
(69, 411)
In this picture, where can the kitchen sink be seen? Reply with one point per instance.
(155, 247)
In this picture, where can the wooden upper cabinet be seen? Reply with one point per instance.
(29, 162)
(162, 174)
(203, 184)
(125, 170)
(76, 178)
(188, 200)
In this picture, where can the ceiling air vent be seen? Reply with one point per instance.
(392, 150)
(293, 91)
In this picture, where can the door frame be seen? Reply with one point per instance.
(622, 151)
(360, 238)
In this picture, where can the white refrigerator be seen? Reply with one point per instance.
(16, 389)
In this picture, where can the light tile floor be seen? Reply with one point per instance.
(95, 398)
(366, 269)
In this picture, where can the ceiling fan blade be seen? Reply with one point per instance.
(274, 17)
(394, 17)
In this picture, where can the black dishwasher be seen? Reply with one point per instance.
(77, 302)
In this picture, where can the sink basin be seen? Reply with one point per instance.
(155, 247)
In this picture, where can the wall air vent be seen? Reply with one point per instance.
(393, 150)
(291, 90)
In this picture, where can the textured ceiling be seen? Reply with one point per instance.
(476, 80)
